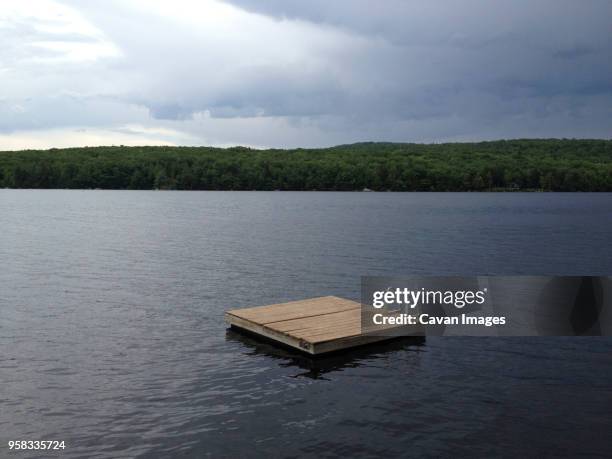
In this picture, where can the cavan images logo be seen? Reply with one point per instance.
(487, 305)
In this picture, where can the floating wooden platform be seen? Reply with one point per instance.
(315, 326)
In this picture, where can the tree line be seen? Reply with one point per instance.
(548, 164)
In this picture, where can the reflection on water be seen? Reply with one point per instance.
(317, 366)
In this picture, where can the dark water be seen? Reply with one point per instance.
(112, 335)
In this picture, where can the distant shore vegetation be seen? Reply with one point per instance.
(528, 165)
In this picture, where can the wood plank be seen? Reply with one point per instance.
(314, 325)
(261, 330)
(295, 309)
(317, 322)
(346, 343)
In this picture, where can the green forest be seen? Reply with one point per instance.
(528, 165)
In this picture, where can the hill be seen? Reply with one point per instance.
(550, 165)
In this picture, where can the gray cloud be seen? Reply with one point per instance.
(288, 72)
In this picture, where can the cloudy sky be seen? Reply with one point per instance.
(286, 73)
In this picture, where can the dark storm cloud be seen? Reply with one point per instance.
(441, 60)
(319, 71)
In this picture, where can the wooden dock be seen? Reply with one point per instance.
(314, 326)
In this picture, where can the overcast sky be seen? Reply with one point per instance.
(287, 73)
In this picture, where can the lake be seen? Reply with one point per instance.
(112, 335)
